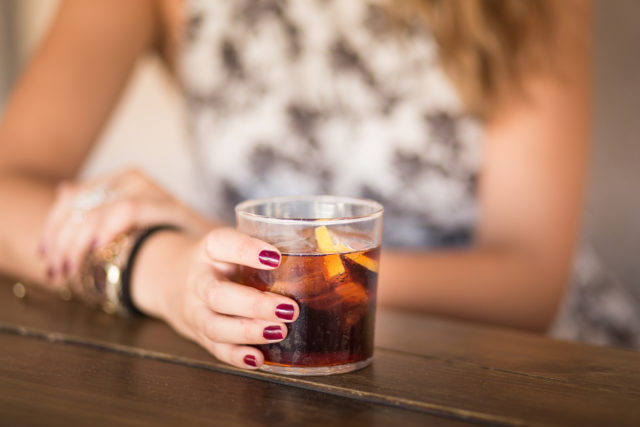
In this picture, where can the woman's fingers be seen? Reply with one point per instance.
(78, 242)
(69, 241)
(50, 242)
(229, 245)
(238, 300)
(237, 330)
(125, 214)
(116, 217)
(237, 355)
(58, 214)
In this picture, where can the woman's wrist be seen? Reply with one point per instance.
(160, 266)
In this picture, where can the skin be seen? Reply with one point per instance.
(530, 193)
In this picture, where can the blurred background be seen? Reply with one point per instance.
(150, 116)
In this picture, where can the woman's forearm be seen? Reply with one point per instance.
(25, 202)
(490, 285)
(495, 286)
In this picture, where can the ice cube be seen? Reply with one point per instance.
(325, 240)
(341, 291)
(351, 292)
(346, 239)
(300, 276)
(296, 246)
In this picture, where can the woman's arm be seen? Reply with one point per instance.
(530, 200)
(57, 111)
(51, 123)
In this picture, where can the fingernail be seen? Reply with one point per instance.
(285, 311)
(65, 268)
(272, 333)
(250, 360)
(269, 258)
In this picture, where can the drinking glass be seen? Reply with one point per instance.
(330, 250)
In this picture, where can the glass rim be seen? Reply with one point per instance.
(377, 212)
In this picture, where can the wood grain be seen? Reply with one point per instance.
(56, 384)
(463, 371)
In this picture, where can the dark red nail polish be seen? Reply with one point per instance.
(272, 333)
(66, 267)
(285, 311)
(250, 360)
(269, 258)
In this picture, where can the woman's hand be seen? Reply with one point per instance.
(88, 215)
(187, 282)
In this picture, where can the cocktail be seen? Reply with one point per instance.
(330, 259)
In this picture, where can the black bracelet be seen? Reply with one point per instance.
(126, 300)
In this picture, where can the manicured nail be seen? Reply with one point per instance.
(272, 333)
(250, 360)
(66, 267)
(285, 311)
(269, 258)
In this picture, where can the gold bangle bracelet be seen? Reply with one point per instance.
(102, 274)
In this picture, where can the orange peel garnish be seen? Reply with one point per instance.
(333, 263)
(365, 261)
(328, 244)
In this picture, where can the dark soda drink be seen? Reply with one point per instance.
(336, 293)
(330, 248)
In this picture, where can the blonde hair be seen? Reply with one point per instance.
(488, 47)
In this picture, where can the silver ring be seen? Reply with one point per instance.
(86, 201)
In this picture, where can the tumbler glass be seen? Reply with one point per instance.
(330, 250)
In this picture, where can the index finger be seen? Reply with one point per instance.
(232, 246)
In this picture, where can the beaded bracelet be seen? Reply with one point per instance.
(126, 299)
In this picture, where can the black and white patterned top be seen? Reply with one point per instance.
(319, 97)
(330, 97)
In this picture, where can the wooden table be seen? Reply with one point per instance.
(62, 363)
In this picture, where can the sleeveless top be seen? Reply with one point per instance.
(332, 97)
(326, 97)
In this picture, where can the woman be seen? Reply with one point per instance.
(358, 88)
